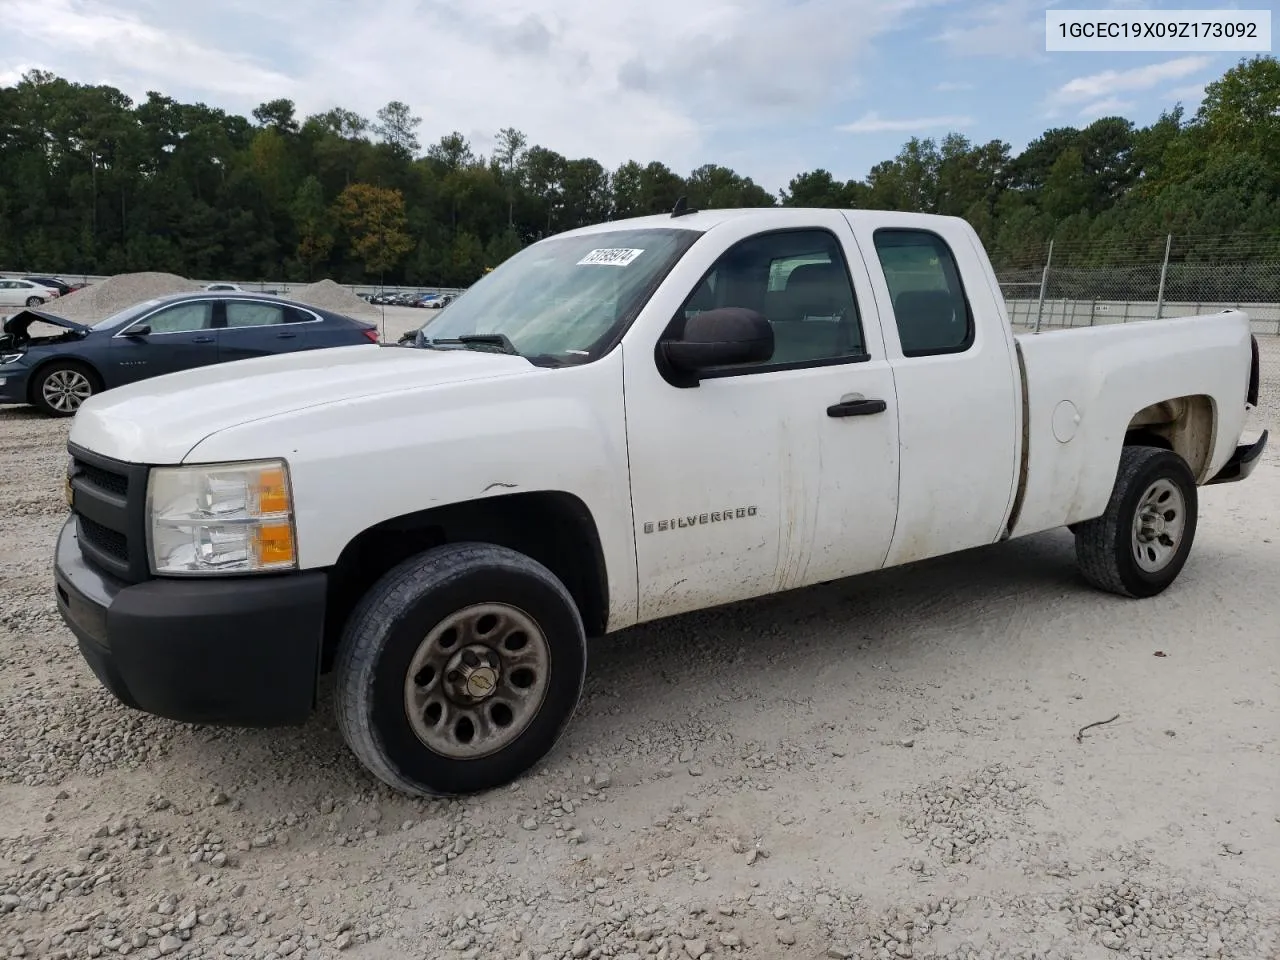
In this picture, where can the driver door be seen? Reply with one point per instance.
(754, 481)
(181, 337)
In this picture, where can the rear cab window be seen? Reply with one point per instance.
(930, 306)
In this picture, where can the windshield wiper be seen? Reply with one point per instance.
(491, 340)
(500, 340)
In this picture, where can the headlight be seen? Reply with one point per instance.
(9, 358)
(223, 518)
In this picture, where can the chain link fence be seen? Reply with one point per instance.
(1084, 284)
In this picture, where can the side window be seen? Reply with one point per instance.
(929, 303)
(799, 281)
(183, 318)
(250, 314)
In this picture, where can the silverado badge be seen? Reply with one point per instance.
(697, 519)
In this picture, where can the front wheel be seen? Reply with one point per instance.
(459, 670)
(60, 388)
(1139, 546)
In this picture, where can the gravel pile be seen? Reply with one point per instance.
(1135, 920)
(328, 295)
(959, 819)
(116, 293)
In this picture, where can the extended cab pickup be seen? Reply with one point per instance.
(621, 423)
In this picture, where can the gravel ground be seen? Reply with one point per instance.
(885, 767)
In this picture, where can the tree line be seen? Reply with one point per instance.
(92, 182)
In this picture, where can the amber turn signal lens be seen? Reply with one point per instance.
(273, 544)
(273, 493)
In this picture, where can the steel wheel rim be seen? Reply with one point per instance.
(65, 390)
(477, 680)
(1158, 525)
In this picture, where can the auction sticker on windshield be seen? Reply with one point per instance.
(613, 257)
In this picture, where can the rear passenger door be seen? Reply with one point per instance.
(258, 328)
(959, 391)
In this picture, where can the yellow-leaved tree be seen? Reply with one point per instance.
(376, 226)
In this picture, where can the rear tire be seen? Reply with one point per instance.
(459, 670)
(1139, 545)
(59, 388)
(34, 301)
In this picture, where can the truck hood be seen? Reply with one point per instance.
(159, 420)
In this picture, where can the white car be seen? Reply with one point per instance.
(234, 287)
(24, 293)
(620, 423)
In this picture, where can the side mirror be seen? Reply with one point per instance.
(723, 337)
(137, 333)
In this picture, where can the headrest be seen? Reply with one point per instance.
(931, 304)
(812, 274)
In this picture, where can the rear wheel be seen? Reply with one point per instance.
(59, 388)
(34, 301)
(1139, 546)
(459, 670)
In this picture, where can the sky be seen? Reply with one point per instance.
(769, 88)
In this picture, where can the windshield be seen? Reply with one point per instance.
(125, 315)
(563, 299)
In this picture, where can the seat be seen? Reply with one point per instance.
(927, 320)
(812, 317)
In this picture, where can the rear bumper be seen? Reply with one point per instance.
(1242, 462)
(242, 652)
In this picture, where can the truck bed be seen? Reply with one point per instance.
(1184, 379)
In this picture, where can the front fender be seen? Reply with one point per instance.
(356, 463)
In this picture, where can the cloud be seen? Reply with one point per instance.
(1192, 93)
(12, 76)
(1109, 107)
(1109, 83)
(874, 123)
(1011, 28)
(611, 81)
(1006, 28)
(97, 41)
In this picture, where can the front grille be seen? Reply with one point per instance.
(111, 542)
(105, 479)
(108, 502)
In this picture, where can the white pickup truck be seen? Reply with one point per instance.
(621, 423)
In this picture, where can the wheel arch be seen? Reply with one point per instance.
(1185, 425)
(554, 527)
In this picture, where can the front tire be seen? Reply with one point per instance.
(1139, 545)
(59, 389)
(459, 670)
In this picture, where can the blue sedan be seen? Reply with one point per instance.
(58, 373)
